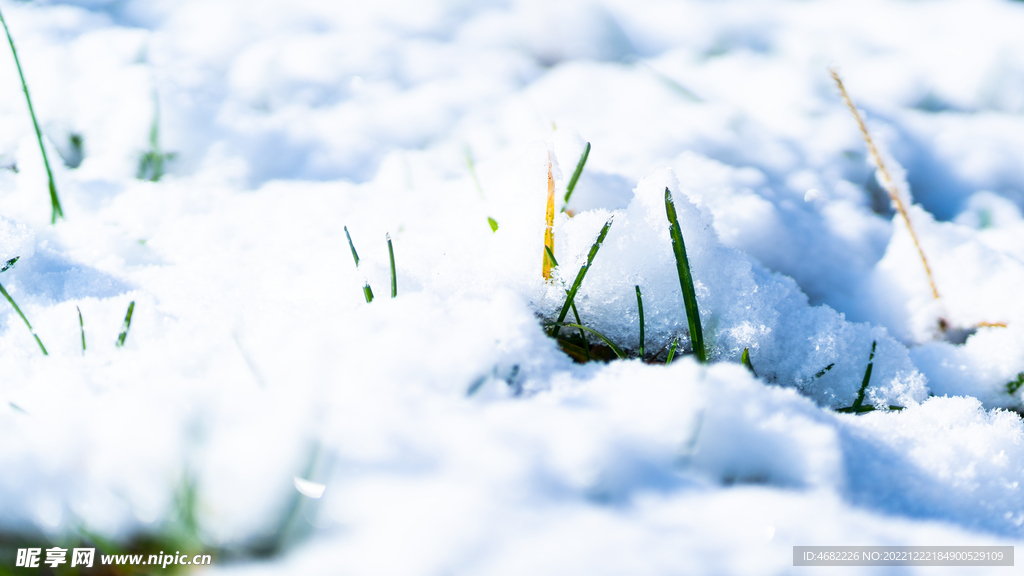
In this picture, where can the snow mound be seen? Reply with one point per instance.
(812, 348)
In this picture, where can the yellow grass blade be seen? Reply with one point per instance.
(549, 233)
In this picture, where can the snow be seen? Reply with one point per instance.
(443, 431)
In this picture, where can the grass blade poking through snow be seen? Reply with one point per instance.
(586, 347)
(3, 291)
(685, 279)
(571, 296)
(394, 279)
(745, 360)
(576, 175)
(81, 327)
(54, 201)
(127, 324)
(640, 307)
(858, 404)
(355, 255)
(151, 164)
(367, 293)
(671, 352)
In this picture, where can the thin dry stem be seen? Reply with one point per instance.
(549, 232)
(887, 182)
(991, 325)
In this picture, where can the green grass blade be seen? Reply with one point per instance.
(367, 292)
(618, 351)
(867, 379)
(551, 256)
(54, 201)
(671, 352)
(745, 360)
(673, 85)
(127, 324)
(685, 280)
(81, 327)
(822, 372)
(858, 404)
(492, 223)
(472, 172)
(576, 175)
(586, 345)
(352, 247)
(154, 141)
(570, 298)
(151, 164)
(554, 264)
(640, 307)
(10, 264)
(18, 310)
(394, 278)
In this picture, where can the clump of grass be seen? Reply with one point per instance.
(745, 360)
(54, 201)
(394, 278)
(685, 279)
(7, 266)
(640, 308)
(576, 175)
(367, 292)
(690, 300)
(549, 225)
(126, 325)
(571, 296)
(151, 164)
(81, 327)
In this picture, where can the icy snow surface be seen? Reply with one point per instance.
(442, 431)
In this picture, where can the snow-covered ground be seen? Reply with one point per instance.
(452, 434)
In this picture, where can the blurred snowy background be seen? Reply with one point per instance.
(253, 359)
